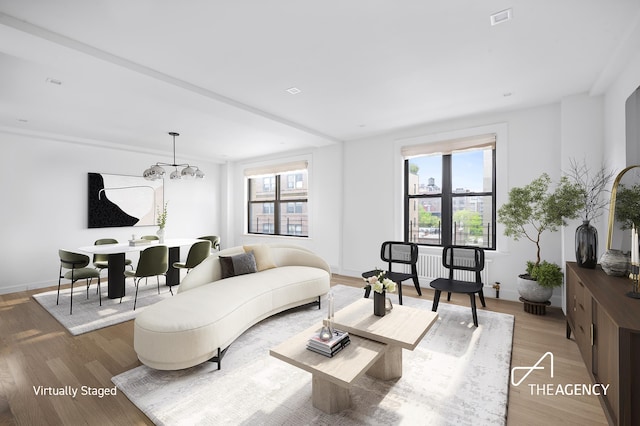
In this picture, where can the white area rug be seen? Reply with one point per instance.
(458, 375)
(88, 315)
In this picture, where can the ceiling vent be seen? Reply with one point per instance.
(502, 16)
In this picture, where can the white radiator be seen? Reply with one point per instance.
(430, 267)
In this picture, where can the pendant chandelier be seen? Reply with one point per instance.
(156, 171)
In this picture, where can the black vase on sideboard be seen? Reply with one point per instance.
(586, 245)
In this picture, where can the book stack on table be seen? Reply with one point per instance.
(330, 347)
(141, 242)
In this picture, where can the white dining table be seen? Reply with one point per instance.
(117, 253)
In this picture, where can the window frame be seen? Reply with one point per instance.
(447, 196)
(279, 203)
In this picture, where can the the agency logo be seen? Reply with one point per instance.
(546, 363)
(532, 368)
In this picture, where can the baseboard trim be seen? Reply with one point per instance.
(25, 287)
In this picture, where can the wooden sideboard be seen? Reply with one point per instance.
(606, 327)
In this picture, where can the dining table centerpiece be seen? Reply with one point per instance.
(161, 222)
(380, 284)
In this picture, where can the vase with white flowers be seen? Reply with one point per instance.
(380, 284)
(161, 222)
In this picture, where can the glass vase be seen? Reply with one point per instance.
(586, 245)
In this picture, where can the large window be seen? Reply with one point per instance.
(278, 200)
(450, 193)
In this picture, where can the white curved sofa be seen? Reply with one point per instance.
(209, 313)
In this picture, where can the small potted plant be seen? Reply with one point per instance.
(162, 222)
(530, 211)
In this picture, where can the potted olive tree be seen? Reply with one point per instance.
(530, 211)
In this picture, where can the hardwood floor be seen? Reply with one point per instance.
(37, 351)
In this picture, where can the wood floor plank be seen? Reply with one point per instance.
(37, 350)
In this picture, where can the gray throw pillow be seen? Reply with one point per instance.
(238, 265)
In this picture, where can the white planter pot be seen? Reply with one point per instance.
(533, 292)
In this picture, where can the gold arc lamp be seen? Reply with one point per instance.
(156, 171)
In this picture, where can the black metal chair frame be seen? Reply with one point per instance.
(386, 254)
(451, 285)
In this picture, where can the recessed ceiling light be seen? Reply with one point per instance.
(502, 16)
(54, 81)
(294, 90)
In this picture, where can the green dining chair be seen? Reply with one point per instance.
(197, 253)
(215, 241)
(77, 265)
(154, 261)
(101, 261)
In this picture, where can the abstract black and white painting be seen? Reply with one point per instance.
(119, 200)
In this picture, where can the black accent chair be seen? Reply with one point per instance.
(461, 258)
(401, 253)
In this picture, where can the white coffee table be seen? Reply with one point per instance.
(375, 348)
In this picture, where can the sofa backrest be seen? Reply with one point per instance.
(281, 254)
(292, 256)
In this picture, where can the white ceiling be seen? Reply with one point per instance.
(217, 71)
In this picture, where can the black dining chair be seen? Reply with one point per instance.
(461, 258)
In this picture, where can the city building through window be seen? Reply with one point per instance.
(278, 200)
(449, 192)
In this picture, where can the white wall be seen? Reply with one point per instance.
(627, 81)
(534, 146)
(353, 189)
(43, 183)
(582, 137)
